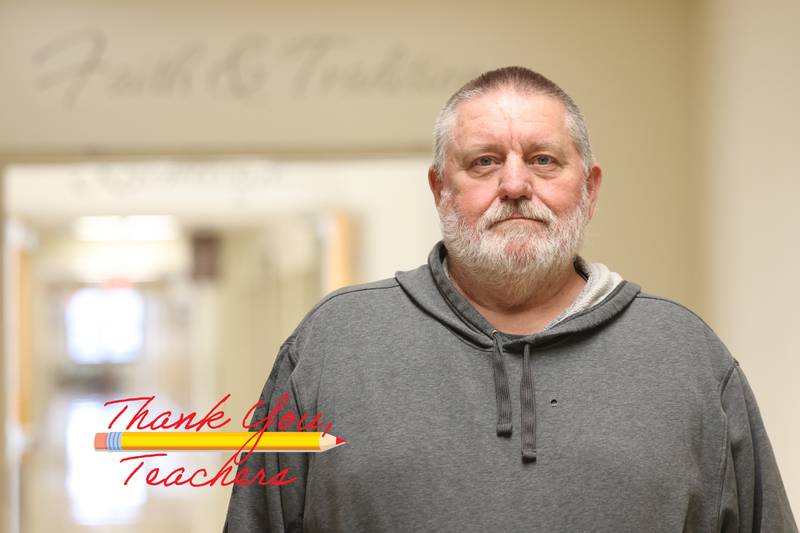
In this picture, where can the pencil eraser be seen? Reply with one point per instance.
(100, 441)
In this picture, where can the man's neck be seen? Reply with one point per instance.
(519, 308)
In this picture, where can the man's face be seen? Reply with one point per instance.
(514, 197)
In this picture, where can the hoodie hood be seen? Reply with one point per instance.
(431, 289)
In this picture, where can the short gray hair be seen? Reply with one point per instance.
(522, 80)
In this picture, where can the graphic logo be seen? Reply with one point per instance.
(243, 443)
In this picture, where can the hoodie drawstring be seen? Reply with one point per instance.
(526, 395)
(501, 390)
(527, 399)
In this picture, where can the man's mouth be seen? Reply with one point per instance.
(519, 218)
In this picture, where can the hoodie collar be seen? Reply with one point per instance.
(430, 288)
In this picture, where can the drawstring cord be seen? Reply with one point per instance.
(501, 390)
(527, 399)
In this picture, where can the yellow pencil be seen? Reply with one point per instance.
(274, 441)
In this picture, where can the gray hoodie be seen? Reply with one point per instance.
(627, 416)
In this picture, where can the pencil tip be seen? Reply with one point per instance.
(340, 441)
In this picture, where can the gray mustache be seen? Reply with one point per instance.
(521, 211)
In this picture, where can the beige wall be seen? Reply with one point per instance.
(751, 114)
(5, 511)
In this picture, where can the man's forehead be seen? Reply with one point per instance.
(490, 117)
(513, 94)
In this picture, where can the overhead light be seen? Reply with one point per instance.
(126, 228)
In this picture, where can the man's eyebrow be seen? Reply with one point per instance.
(546, 146)
(482, 147)
(477, 147)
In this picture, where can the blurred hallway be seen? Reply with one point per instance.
(184, 305)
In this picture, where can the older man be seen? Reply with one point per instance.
(630, 414)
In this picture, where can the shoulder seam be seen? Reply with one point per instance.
(707, 330)
(291, 350)
(673, 302)
(308, 319)
(350, 290)
(724, 456)
(727, 378)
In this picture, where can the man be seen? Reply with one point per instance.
(630, 414)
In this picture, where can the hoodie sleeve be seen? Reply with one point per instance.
(753, 497)
(255, 508)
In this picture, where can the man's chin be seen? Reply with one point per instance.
(519, 244)
(520, 249)
(520, 255)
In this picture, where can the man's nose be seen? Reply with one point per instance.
(515, 180)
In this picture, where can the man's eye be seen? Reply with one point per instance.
(543, 160)
(484, 161)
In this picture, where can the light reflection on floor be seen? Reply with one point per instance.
(92, 477)
(68, 487)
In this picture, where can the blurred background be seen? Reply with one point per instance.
(182, 181)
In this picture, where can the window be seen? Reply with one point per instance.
(105, 325)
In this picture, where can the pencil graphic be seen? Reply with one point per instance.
(275, 441)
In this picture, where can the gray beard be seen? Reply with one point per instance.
(517, 261)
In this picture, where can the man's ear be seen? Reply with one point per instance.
(593, 181)
(435, 183)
